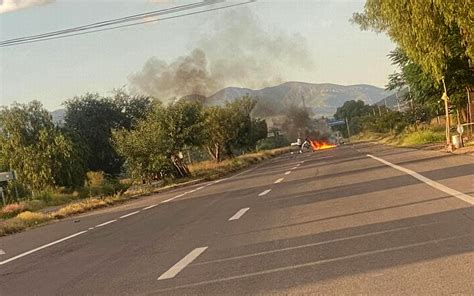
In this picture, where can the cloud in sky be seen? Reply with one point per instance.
(12, 5)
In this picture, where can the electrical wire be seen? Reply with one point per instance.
(97, 27)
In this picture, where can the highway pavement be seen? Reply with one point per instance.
(357, 219)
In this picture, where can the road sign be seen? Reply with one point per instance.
(7, 176)
(336, 122)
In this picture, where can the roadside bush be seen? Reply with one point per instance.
(272, 143)
(33, 218)
(45, 196)
(423, 137)
(15, 187)
(12, 210)
(95, 179)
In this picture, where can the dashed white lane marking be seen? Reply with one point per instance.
(279, 180)
(314, 263)
(108, 222)
(294, 168)
(298, 165)
(149, 207)
(105, 223)
(129, 214)
(175, 269)
(264, 192)
(434, 184)
(239, 214)
(41, 247)
(2, 252)
(287, 173)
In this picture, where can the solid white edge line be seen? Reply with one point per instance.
(149, 207)
(264, 192)
(41, 247)
(287, 173)
(434, 184)
(239, 214)
(129, 214)
(181, 264)
(105, 223)
(278, 181)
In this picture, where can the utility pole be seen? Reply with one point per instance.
(348, 130)
(445, 98)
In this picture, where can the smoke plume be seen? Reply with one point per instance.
(238, 51)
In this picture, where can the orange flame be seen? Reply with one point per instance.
(320, 145)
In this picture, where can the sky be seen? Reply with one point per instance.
(265, 42)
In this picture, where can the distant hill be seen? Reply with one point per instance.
(58, 116)
(395, 101)
(273, 102)
(321, 99)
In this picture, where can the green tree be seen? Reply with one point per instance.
(423, 88)
(153, 148)
(230, 127)
(39, 152)
(219, 131)
(424, 30)
(91, 119)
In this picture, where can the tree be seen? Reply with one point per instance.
(153, 148)
(91, 119)
(425, 90)
(423, 29)
(182, 123)
(38, 151)
(219, 131)
(230, 127)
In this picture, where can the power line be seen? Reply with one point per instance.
(89, 30)
(110, 22)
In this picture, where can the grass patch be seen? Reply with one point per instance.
(211, 170)
(428, 135)
(22, 221)
(422, 137)
(87, 205)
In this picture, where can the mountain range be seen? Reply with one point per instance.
(321, 99)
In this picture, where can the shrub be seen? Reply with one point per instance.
(12, 210)
(33, 218)
(11, 226)
(46, 196)
(95, 179)
(272, 143)
(423, 137)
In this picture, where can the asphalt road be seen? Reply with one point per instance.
(399, 221)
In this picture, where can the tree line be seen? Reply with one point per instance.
(435, 49)
(380, 119)
(121, 134)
